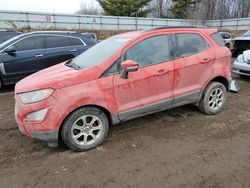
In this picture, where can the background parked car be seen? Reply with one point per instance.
(8, 34)
(29, 53)
(241, 44)
(241, 65)
(227, 38)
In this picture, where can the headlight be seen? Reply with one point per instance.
(36, 96)
(239, 59)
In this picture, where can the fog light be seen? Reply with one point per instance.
(37, 116)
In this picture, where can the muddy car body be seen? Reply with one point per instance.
(121, 78)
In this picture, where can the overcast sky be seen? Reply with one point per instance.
(57, 6)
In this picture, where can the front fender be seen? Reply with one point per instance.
(95, 93)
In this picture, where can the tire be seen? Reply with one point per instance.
(85, 129)
(213, 98)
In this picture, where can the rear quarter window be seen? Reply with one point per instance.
(218, 39)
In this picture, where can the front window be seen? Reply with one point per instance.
(150, 51)
(99, 53)
(30, 43)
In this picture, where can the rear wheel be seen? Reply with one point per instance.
(85, 129)
(213, 98)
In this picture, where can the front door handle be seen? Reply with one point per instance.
(206, 60)
(73, 50)
(162, 71)
(39, 55)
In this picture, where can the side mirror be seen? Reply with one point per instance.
(128, 66)
(11, 50)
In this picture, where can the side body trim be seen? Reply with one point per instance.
(160, 106)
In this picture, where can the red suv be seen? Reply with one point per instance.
(124, 77)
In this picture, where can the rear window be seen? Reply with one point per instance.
(61, 41)
(189, 44)
(218, 39)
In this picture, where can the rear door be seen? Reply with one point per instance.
(61, 48)
(192, 65)
(28, 58)
(149, 89)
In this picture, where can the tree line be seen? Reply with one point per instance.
(183, 9)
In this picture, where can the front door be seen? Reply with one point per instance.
(27, 59)
(149, 89)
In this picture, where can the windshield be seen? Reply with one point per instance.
(247, 33)
(99, 53)
(4, 44)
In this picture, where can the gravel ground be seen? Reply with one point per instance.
(176, 148)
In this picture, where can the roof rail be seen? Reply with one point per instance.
(173, 27)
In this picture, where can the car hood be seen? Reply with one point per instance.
(246, 56)
(242, 38)
(56, 77)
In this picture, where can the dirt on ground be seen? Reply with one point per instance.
(176, 148)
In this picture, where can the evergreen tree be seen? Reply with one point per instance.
(129, 8)
(181, 7)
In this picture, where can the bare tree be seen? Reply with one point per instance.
(220, 9)
(161, 8)
(89, 8)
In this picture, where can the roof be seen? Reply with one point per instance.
(179, 27)
(138, 33)
(131, 34)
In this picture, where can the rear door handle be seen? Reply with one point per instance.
(163, 71)
(206, 60)
(39, 55)
(73, 50)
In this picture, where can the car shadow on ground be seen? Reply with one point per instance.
(7, 89)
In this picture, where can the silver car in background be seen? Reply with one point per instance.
(241, 65)
(227, 37)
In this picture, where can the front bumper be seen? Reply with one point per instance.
(48, 136)
(45, 130)
(241, 68)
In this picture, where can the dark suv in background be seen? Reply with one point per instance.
(29, 53)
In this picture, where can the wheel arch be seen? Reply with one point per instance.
(221, 80)
(111, 118)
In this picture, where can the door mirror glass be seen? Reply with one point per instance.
(10, 49)
(128, 66)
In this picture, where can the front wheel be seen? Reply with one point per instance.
(213, 98)
(85, 129)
